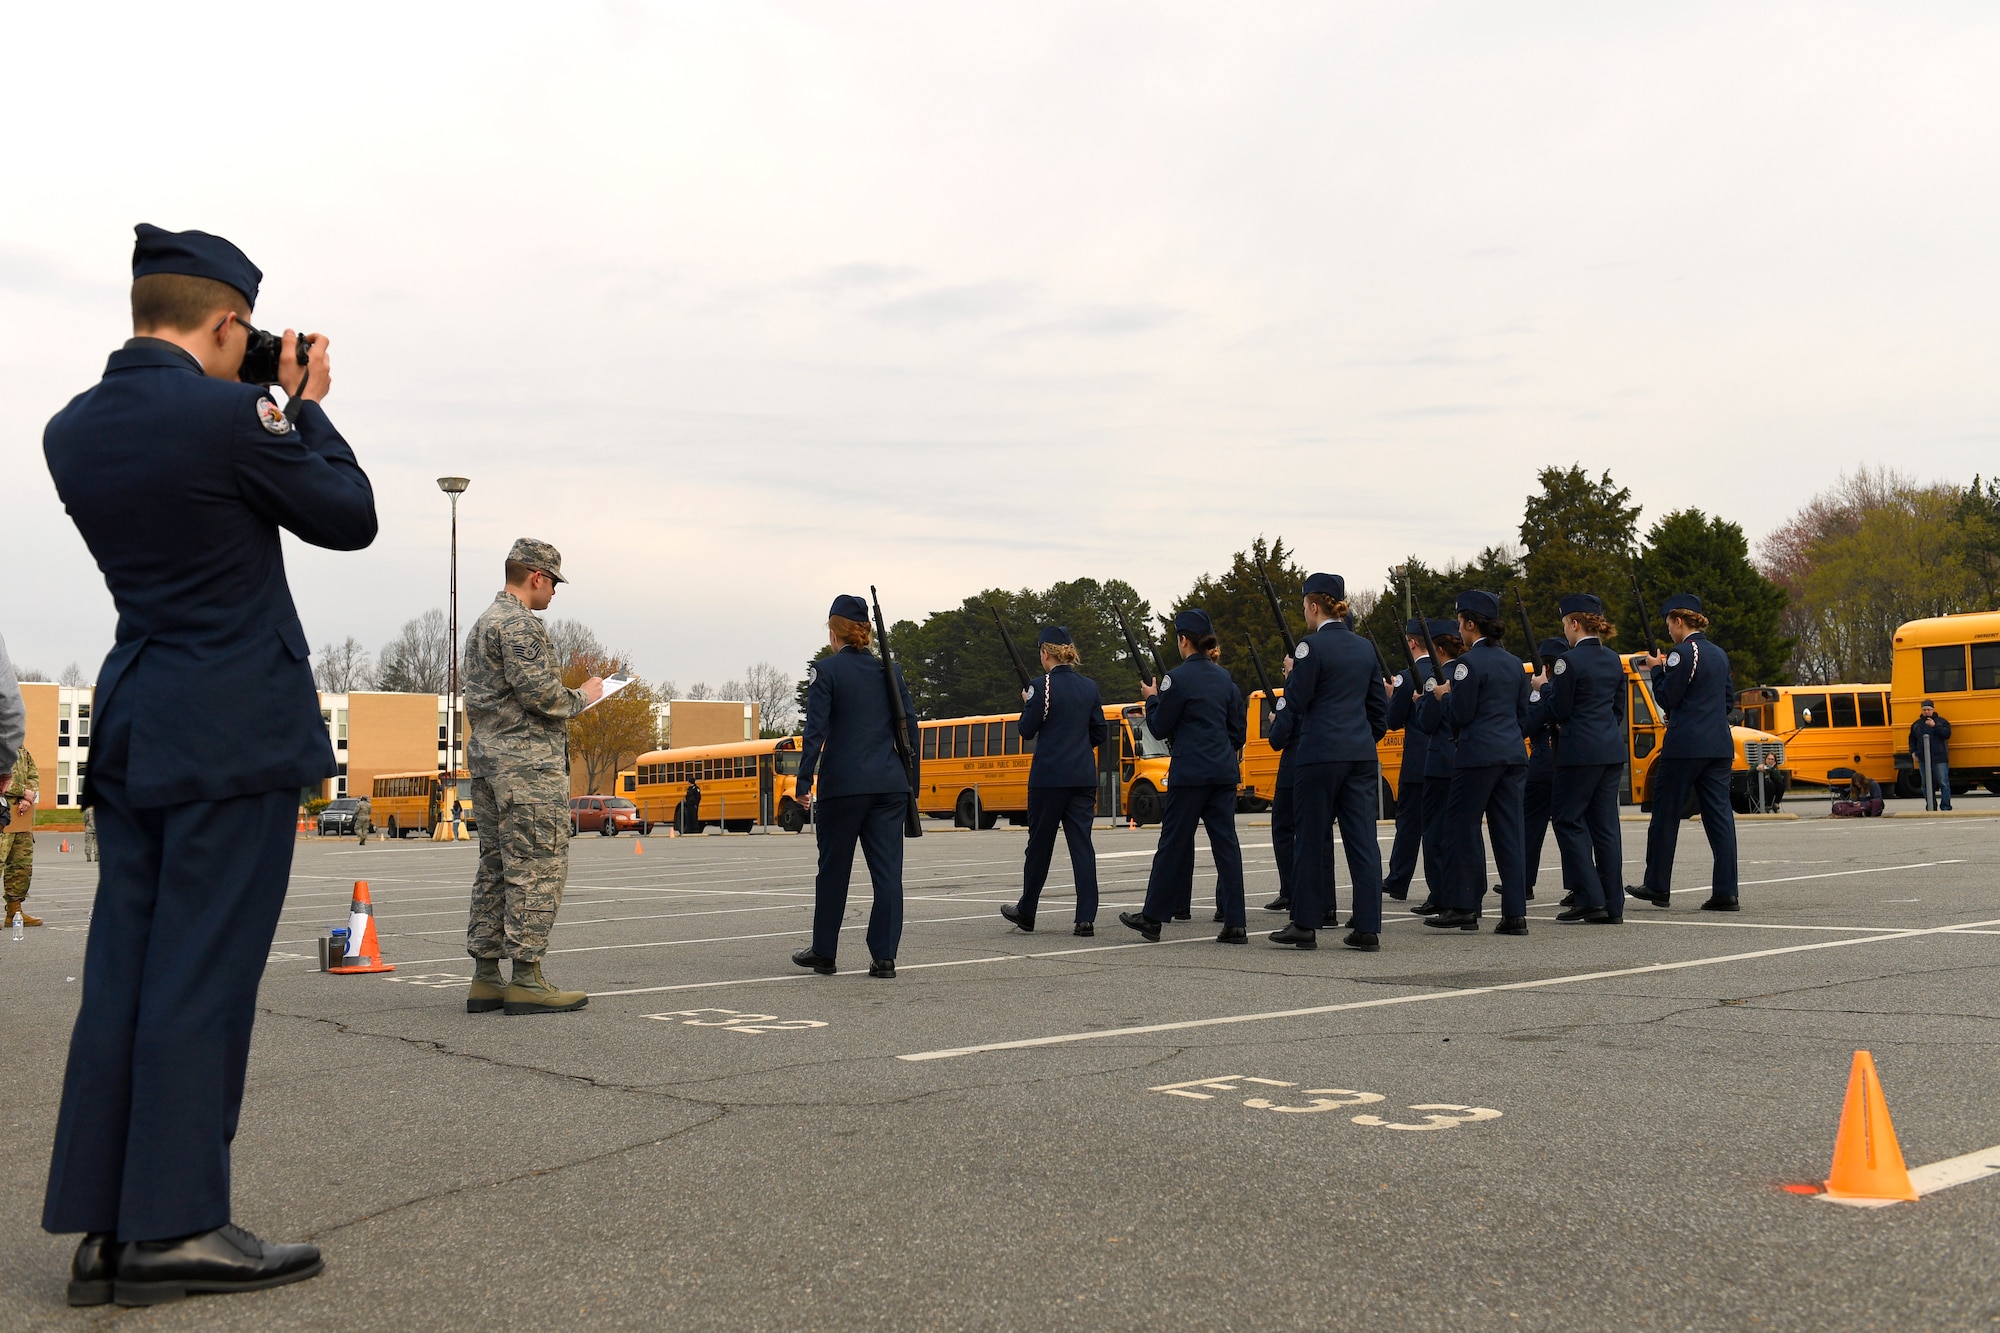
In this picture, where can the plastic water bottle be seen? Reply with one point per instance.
(19, 933)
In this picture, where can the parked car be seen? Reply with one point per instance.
(607, 816)
(340, 817)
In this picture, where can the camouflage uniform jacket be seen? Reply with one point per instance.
(25, 779)
(515, 703)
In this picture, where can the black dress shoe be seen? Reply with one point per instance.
(1025, 920)
(1219, 917)
(1512, 925)
(1454, 919)
(807, 958)
(1085, 928)
(1148, 930)
(1233, 935)
(1568, 899)
(1645, 895)
(1400, 895)
(1608, 920)
(882, 967)
(1184, 916)
(223, 1260)
(1531, 893)
(91, 1271)
(1721, 905)
(1279, 904)
(1584, 912)
(1295, 936)
(1428, 907)
(1331, 921)
(1365, 940)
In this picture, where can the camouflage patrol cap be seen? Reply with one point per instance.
(538, 556)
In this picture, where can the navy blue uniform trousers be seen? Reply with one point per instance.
(1071, 810)
(187, 903)
(1343, 792)
(1587, 835)
(1437, 842)
(1710, 780)
(875, 820)
(1409, 839)
(1284, 845)
(1537, 806)
(1494, 791)
(1170, 887)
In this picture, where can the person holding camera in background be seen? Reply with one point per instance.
(179, 469)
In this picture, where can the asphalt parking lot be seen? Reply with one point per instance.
(1588, 1128)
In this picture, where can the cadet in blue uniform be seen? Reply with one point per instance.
(1407, 687)
(1063, 717)
(1433, 721)
(1340, 711)
(864, 789)
(1585, 692)
(1280, 734)
(1694, 690)
(1198, 708)
(1537, 797)
(1487, 694)
(179, 477)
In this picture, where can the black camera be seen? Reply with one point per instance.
(260, 358)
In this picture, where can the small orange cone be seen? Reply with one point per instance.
(364, 952)
(1867, 1161)
(65, 845)
(638, 848)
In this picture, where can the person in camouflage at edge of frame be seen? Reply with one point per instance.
(17, 844)
(517, 711)
(90, 833)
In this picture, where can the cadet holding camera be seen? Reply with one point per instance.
(179, 469)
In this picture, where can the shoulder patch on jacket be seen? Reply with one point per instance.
(1673, 659)
(272, 418)
(1166, 682)
(812, 674)
(1562, 665)
(1280, 708)
(1534, 696)
(1461, 672)
(1303, 651)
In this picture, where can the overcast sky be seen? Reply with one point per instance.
(743, 305)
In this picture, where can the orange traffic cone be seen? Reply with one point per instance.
(1867, 1161)
(638, 848)
(65, 845)
(364, 952)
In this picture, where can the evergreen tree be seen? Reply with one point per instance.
(1415, 588)
(1576, 536)
(1235, 602)
(1687, 551)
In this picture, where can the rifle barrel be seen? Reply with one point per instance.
(899, 720)
(1020, 667)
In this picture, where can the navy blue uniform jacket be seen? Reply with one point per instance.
(1586, 694)
(1433, 718)
(848, 739)
(1064, 717)
(1489, 706)
(1541, 736)
(1695, 692)
(1402, 710)
(1337, 696)
(1200, 710)
(179, 491)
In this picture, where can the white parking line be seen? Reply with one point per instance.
(1427, 996)
(1928, 1180)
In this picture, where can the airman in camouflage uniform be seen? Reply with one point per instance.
(90, 833)
(17, 845)
(517, 711)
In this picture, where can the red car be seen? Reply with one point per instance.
(607, 816)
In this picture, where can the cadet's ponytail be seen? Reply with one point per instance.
(1596, 625)
(1449, 645)
(1694, 620)
(1062, 654)
(853, 633)
(1209, 646)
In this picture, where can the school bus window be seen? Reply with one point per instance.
(1986, 666)
(1872, 712)
(1641, 711)
(1944, 669)
(1843, 711)
(930, 742)
(788, 762)
(1809, 710)
(978, 740)
(958, 743)
(1011, 734)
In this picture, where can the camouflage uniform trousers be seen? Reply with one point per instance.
(90, 833)
(17, 855)
(523, 819)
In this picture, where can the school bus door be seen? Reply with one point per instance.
(1643, 733)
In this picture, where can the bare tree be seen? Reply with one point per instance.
(573, 641)
(344, 667)
(771, 690)
(73, 675)
(701, 689)
(617, 731)
(418, 660)
(33, 676)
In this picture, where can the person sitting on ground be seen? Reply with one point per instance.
(1863, 799)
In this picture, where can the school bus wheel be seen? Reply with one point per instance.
(1144, 802)
(791, 815)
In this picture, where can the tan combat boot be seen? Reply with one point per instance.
(530, 993)
(14, 908)
(488, 991)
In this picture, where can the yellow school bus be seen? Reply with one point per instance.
(976, 768)
(1825, 727)
(1954, 661)
(407, 803)
(1260, 761)
(742, 784)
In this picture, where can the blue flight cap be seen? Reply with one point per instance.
(194, 254)
(1580, 604)
(849, 607)
(1193, 622)
(1413, 628)
(1332, 585)
(1682, 601)
(1484, 605)
(1548, 648)
(1054, 634)
(1443, 627)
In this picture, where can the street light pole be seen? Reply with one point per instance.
(454, 487)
